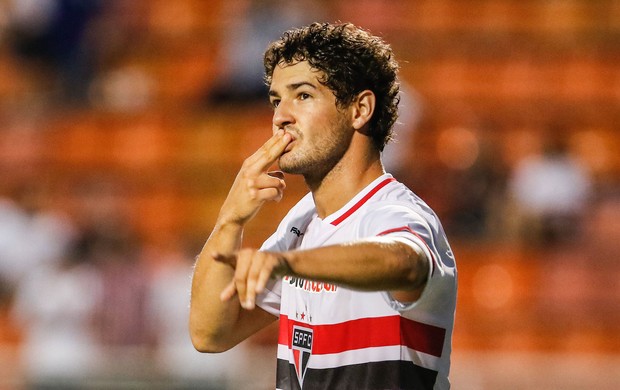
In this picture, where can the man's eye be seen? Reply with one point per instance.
(304, 96)
(275, 103)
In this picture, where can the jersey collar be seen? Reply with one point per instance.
(360, 199)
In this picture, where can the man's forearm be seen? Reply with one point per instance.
(208, 314)
(376, 264)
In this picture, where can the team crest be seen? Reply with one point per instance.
(302, 349)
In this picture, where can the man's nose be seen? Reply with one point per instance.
(283, 115)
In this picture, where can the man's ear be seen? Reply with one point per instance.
(362, 108)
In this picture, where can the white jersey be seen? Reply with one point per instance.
(332, 337)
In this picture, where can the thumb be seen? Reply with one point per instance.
(226, 259)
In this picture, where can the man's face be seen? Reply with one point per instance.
(307, 110)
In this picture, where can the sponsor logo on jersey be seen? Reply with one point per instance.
(302, 349)
(309, 285)
(296, 231)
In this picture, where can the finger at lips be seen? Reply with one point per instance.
(271, 151)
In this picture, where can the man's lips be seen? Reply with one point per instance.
(289, 147)
(291, 144)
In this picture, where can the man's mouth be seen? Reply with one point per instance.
(290, 145)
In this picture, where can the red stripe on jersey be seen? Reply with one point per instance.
(366, 333)
(362, 201)
(409, 230)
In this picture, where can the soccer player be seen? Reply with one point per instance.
(359, 272)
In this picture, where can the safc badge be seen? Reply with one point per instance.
(302, 349)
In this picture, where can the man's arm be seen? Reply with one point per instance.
(217, 325)
(374, 264)
(377, 264)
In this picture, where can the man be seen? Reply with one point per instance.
(359, 272)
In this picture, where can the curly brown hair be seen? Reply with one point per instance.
(352, 60)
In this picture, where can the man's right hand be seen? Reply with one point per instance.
(254, 184)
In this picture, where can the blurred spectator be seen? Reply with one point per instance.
(580, 293)
(31, 235)
(109, 241)
(175, 356)
(120, 314)
(123, 89)
(397, 154)
(54, 33)
(550, 192)
(457, 169)
(55, 306)
(254, 24)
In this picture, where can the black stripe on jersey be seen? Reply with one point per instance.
(393, 375)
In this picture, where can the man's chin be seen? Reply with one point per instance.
(288, 166)
(287, 169)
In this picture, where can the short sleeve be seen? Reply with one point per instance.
(396, 220)
(405, 224)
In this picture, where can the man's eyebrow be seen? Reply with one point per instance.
(293, 86)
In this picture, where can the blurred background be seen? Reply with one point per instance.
(123, 124)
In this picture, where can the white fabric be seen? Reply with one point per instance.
(394, 209)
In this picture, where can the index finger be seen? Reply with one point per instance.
(271, 150)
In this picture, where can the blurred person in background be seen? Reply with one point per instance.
(32, 234)
(359, 273)
(55, 35)
(55, 305)
(589, 264)
(550, 192)
(175, 356)
(254, 24)
(397, 155)
(112, 244)
(35, 240)
(121, 314)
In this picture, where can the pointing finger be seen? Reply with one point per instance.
(228, 292)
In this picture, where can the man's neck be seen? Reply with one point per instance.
(341, 184)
